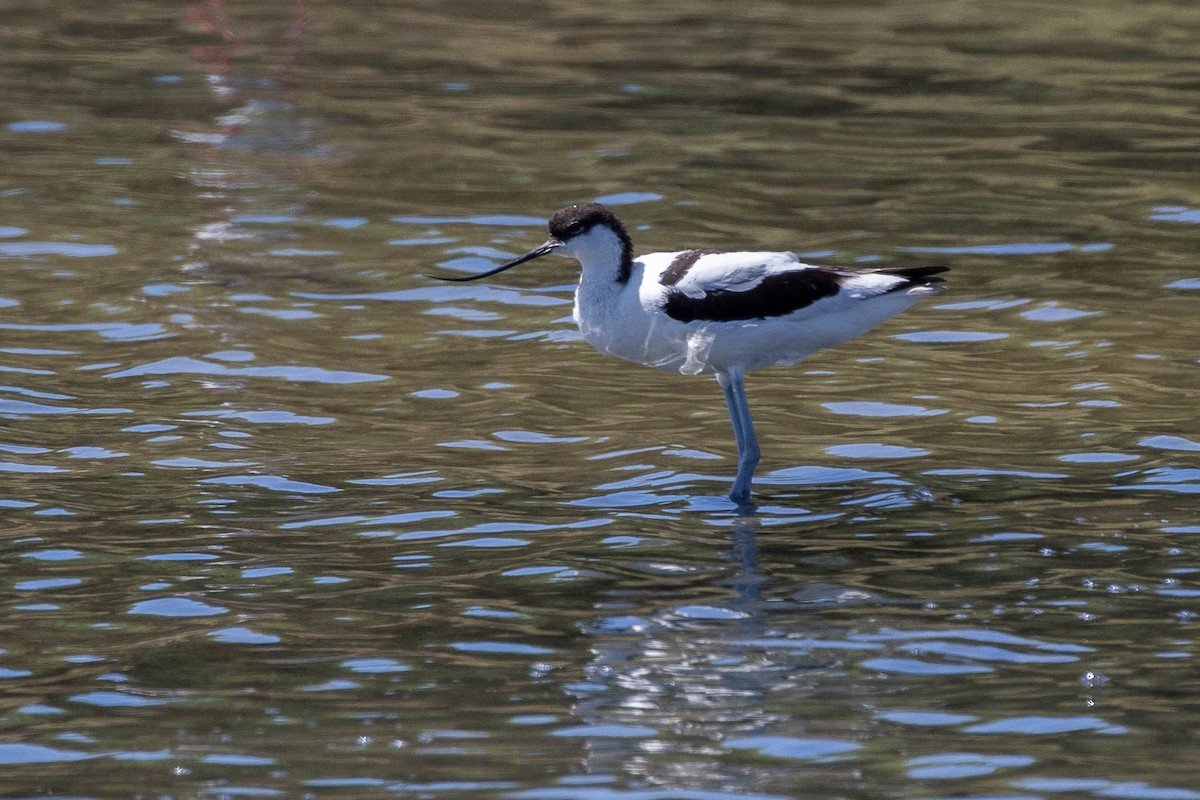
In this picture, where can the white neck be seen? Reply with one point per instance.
(602, 253)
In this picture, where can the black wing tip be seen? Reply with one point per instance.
(917, 275)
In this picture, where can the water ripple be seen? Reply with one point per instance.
(185, 365)
(71, 249)
(24, 407)
(115, 331)
(273, 483)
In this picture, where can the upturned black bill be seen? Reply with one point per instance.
(550, 246)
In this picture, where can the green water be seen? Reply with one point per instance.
(284, 518)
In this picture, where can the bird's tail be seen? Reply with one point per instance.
(917, 278)
(916, 274)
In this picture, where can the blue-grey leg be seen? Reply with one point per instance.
(743, 434)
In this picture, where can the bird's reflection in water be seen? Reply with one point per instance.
(703, 670)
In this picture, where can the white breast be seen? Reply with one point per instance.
(624, 320)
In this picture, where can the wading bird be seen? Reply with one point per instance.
(722, 313)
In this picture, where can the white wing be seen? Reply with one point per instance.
(861, 285)
(731, 272)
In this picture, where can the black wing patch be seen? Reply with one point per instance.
(680, 265)
(776, 296)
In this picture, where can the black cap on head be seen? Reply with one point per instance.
(576, 220)
(573, 220)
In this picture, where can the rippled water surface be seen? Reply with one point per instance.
(285, 518)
